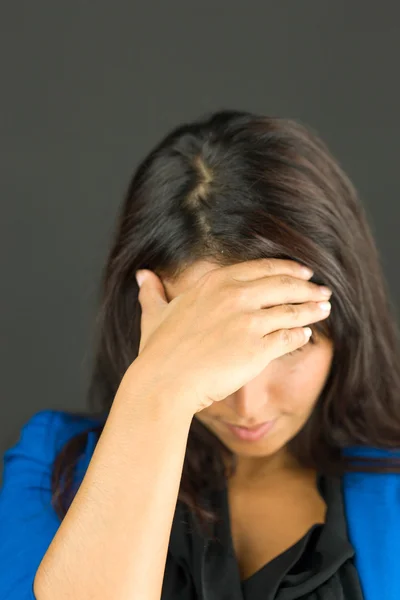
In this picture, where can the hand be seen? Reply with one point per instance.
(221, 333)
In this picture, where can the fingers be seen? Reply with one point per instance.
(281, 342)
(267, 267)
(288, 316)
(276, 290)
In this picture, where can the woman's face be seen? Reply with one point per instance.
(286, 391)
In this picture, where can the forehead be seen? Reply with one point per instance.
(187, 278)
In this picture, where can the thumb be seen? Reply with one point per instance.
(152, 299)
(152, 292)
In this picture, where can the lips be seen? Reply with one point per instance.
(253, 434)
(250, 428)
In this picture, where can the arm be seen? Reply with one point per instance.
(113, 542)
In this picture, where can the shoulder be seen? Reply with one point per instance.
(371, 452)
(42, 436)
(57, 424)
(370, 494)
(365, 479)
(372, 503)
(28, 521)
(48, 427)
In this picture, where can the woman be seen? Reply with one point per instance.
(161, 491)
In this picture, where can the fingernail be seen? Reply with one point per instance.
(140, 276)
(326, 306)
(325, 290)
(307, 331)
(307, 272)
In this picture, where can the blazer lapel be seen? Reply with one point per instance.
(372, 506)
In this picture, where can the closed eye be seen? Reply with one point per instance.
(294, 352)
(311, 341)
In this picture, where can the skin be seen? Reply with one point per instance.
(286, 390)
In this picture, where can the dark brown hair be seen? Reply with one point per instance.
(231, 187)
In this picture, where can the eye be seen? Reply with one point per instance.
(311, 341)
(294, 352)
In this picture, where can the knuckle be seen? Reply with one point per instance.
(252, 320)
(292, 310)
(210, 281)
(287, 281)
(211, 275)
(286, 337)
(240, 293)
(269, 265)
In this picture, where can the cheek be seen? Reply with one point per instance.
(292, 394)
(297, 388)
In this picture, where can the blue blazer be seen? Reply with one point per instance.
(28, 523)
(372, 507)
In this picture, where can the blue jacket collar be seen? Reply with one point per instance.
(372, 506)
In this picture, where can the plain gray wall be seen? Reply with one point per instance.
(88, 87)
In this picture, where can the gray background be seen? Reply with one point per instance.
(89, 87)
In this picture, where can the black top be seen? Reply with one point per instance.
(318, 567)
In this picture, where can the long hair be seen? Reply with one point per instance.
(235, 186)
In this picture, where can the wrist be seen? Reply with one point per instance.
(144, 389)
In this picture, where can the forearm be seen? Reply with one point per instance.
(112, 543)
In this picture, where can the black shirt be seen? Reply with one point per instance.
(318, 567)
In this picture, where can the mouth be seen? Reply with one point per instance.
(249, 428)
(250, 434)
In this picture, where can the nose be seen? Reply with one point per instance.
(249, 402)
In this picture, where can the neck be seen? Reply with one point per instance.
(253, 471)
